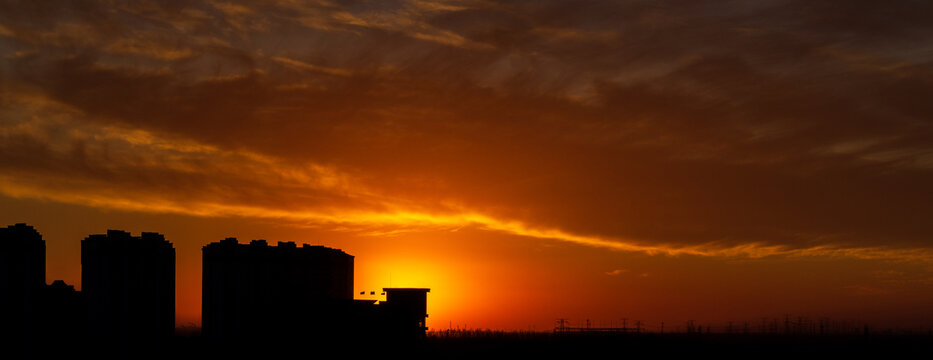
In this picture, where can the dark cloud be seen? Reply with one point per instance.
(782, 122)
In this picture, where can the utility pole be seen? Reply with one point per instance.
(561, 325)
(786, 324)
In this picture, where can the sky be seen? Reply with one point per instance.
(526, 160)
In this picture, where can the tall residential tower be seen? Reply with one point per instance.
(254, 289)
(129, 284)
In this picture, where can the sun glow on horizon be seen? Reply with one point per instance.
(523, 161)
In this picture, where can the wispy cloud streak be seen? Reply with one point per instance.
(678, 128)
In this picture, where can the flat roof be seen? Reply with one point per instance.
(407, 289)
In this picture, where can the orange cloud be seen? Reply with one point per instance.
(598, 125)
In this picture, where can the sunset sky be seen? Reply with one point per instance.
(526, 160)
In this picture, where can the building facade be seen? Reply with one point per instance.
(405, 311)
(22, 278)
(32, 312)
(129, 285)
(259, 292)
(256, 290)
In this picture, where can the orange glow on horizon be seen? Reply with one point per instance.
(526, 162)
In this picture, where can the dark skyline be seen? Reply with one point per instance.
(284, 301)
(253, 293)
(531, 160)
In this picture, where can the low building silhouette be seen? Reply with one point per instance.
(129, 285)
(64, 315)
(406, 310)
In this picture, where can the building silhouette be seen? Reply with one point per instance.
(257, 291)
(22, 278)
(406, 310)
(64, 315)
(129, 284)
(31, 311)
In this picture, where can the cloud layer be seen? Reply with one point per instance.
(727, 129)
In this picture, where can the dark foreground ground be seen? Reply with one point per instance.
(686, 346)
(496, 345)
